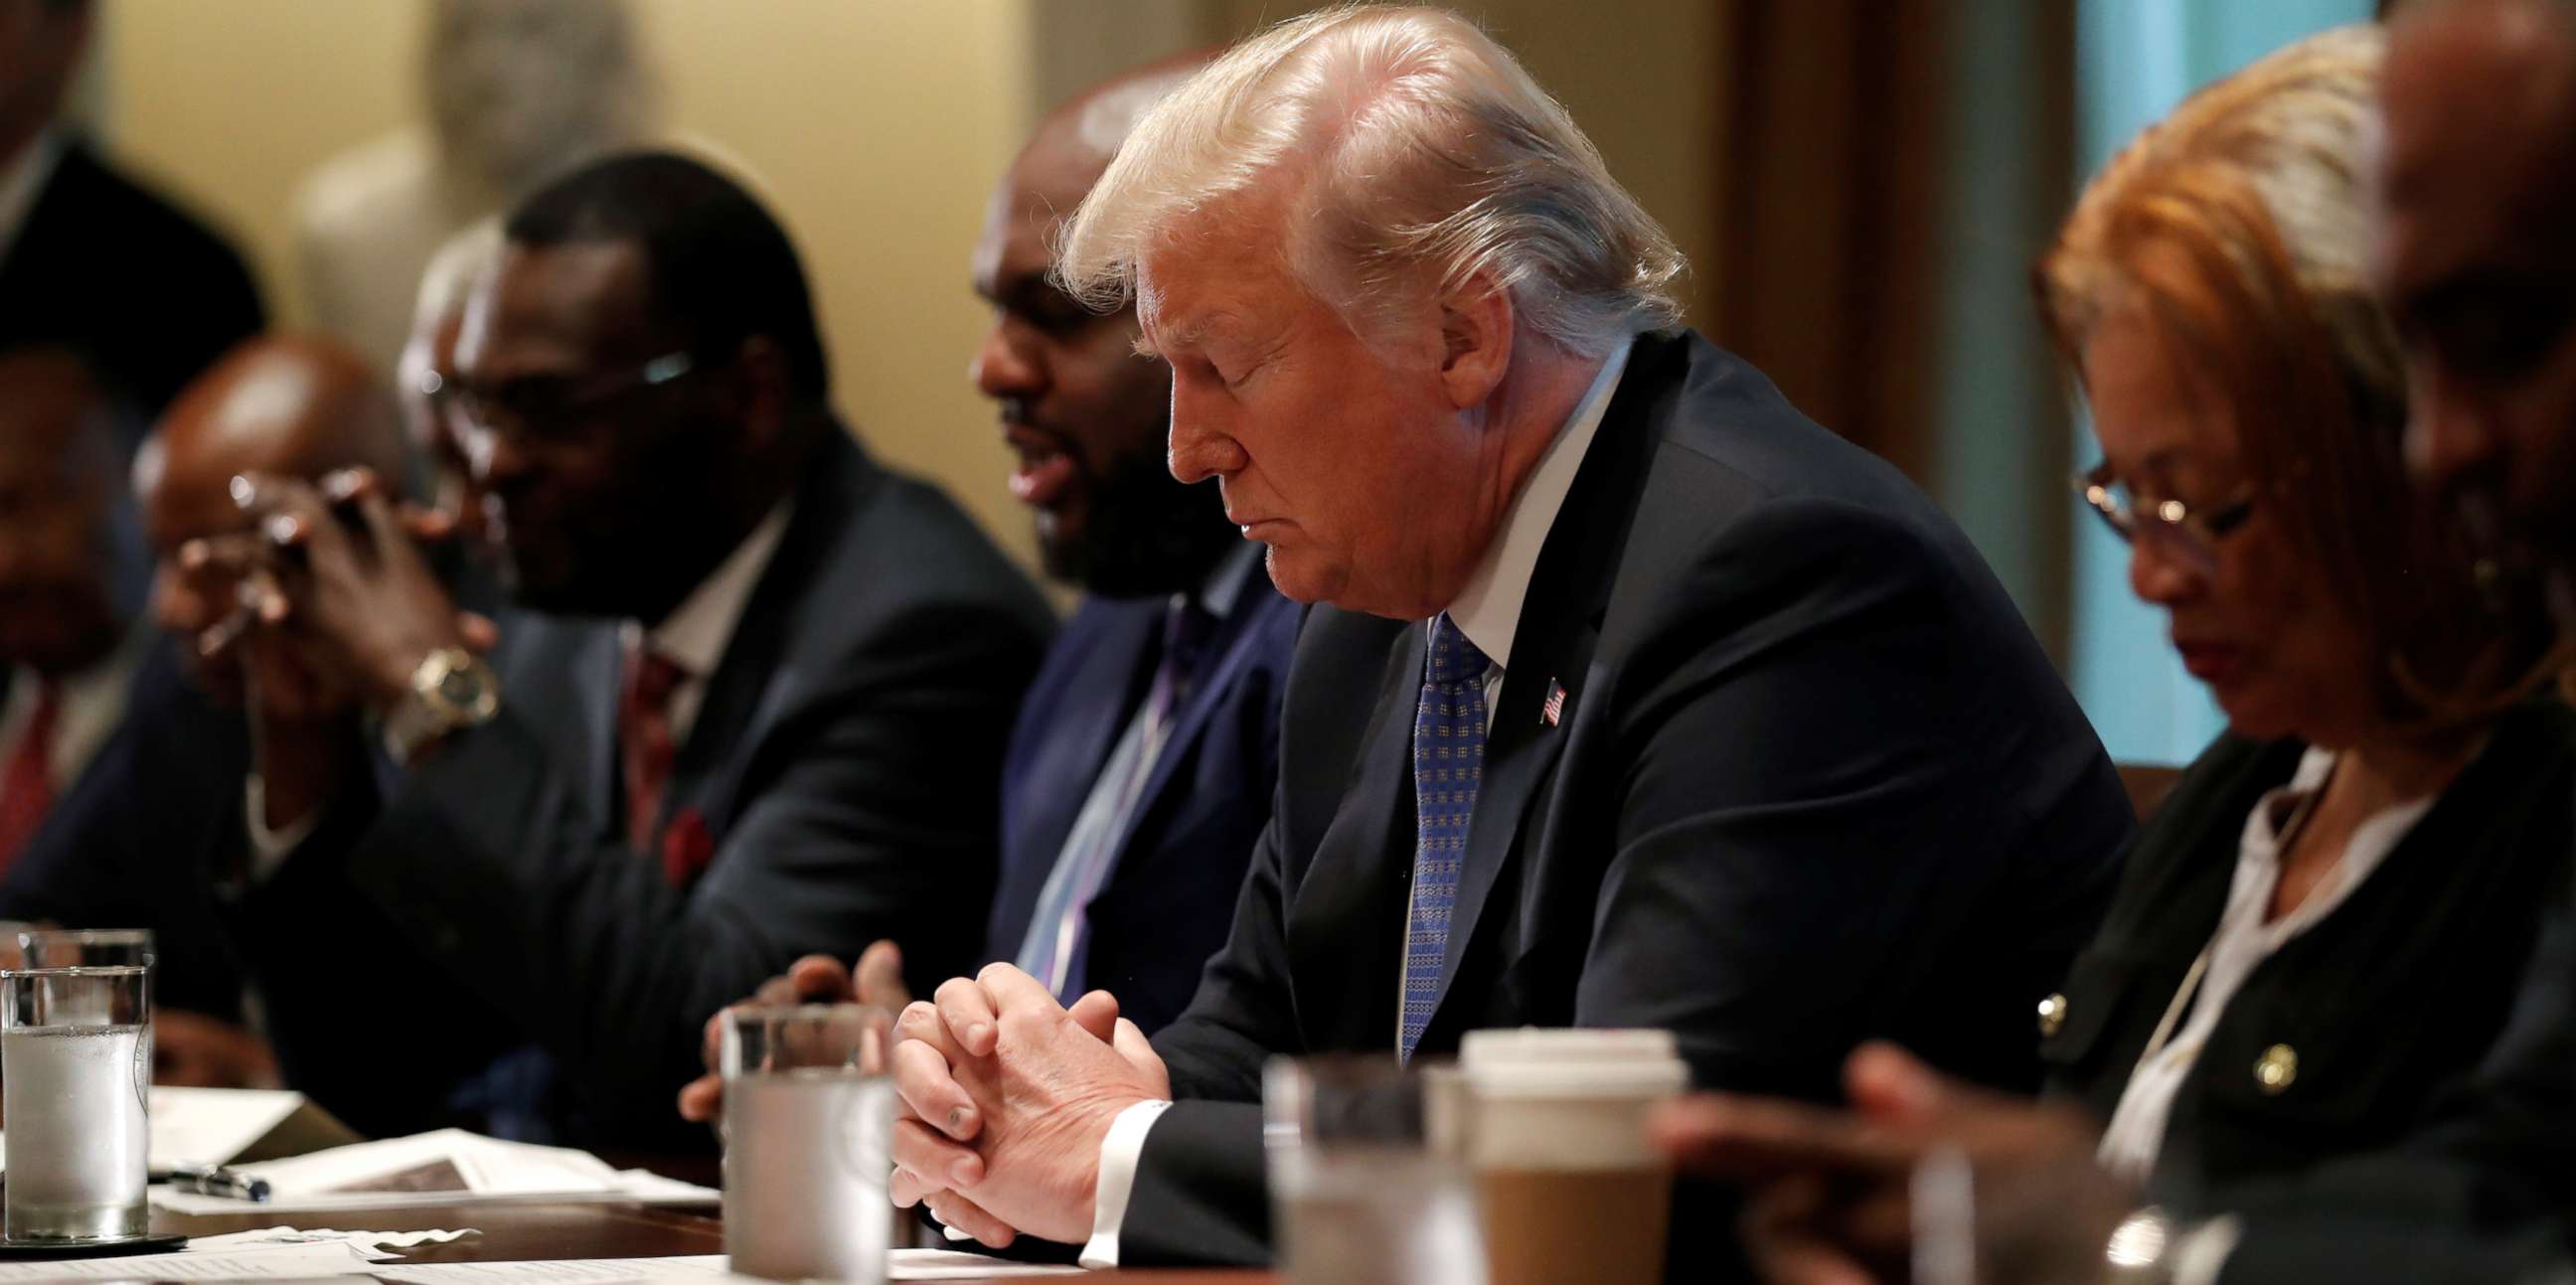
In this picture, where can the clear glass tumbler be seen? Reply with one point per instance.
(1368, 1185)
(808, 1123)
(76, 1062)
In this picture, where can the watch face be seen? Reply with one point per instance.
(460, 687)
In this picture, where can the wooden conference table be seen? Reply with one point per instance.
(524, 1233)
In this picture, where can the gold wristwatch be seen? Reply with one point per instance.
(451, 690)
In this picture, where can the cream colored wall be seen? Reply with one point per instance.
(876, 125)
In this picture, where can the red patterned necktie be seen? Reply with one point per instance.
(644, 741)
(27, 785)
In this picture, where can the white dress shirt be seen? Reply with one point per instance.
(696, 632)
(93, 703)
(22, 181)
(693, 636)
(1488, 612)
(2243, 941)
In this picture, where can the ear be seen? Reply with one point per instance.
(1476, 340)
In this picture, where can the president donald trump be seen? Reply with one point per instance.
(1631, 697)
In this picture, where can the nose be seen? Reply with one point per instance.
(1003, 369)
(1201, 447)
(2451, 433)
(2162, 575)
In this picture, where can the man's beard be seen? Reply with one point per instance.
(1148, 534)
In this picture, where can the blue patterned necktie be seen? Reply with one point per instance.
(1448, 764)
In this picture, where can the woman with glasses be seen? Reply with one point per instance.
(2321, 926)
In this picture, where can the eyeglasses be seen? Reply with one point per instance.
(552, 408)
(2193, 531)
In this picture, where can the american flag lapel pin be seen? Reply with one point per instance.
(1554, 709)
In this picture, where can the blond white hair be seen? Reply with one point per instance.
(1410, 148)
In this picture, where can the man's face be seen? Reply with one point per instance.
(593, 458)
(40, 48)
(1084, 412)
(58, 609)
(1345, 457)
(2477, 255)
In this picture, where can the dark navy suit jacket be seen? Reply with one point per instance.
(1168, 900)
(1814, 783)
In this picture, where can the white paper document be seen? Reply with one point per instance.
(223, 1126)
(447, 1167)
(334, 1258)
(906, 1265)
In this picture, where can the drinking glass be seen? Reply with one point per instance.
(76, 1063)
(1367, 1181)
(808, 1126)
(84, 947)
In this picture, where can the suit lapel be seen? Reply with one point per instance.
(1347, 922)
(563, 676)
(1552, 647)
(760, 667)
(1228, 652)
(1095, 703)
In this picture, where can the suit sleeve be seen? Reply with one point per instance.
(1798, 732)
(1199, 1195)
(870, 817)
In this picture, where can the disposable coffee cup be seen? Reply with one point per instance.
(1568, 1186)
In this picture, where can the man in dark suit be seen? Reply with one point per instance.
(1639, 701)
(286, 405)
(69, 572)
(88, 258)
(612, 828)
(2478, 191)
(1142, 764)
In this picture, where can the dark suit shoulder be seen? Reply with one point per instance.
(100, 192)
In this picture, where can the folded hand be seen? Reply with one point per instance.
(1007, 1097)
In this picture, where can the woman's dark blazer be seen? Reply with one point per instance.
(2338, 1041)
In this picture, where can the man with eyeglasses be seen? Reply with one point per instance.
(750, 702)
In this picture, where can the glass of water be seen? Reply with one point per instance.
(84, 947)
(808, 1122)
(1368, 1177)
(75, 1069)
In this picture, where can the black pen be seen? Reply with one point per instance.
(215, 1180)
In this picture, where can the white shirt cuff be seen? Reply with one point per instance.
(2202, 1252)
(269, 848)
(1119, 1153)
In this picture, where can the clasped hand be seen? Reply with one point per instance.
(1007, 1097)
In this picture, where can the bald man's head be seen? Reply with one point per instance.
(1084, 414)
(59, 564)
(285, 404)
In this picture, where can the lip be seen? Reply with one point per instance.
(1045, 471)
(1252, 527)
(2210, 662)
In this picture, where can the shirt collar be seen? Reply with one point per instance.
(694, 635)
(22, 181)
(1224, 585)
(1488, 610)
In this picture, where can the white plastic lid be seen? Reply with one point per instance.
(1572, 1063)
